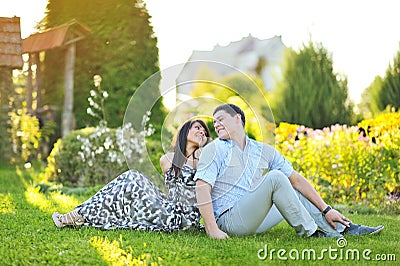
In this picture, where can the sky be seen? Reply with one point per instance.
(362, 36)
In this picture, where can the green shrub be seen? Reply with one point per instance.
(94, 156)
(25, 136)
(63, 164)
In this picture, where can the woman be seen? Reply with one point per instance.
(132, 201)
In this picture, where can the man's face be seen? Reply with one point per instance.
(225, 125)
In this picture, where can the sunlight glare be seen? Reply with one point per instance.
(39, 200)
(112, 254)
(65, 203)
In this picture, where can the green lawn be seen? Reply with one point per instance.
(28, 237)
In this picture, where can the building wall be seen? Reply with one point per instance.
(261, 58)
(10, 43)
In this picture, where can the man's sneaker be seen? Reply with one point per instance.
(360, 230)
(319, 233)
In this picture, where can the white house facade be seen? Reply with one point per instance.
(262, 58)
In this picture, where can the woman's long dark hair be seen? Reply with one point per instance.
(180, 145)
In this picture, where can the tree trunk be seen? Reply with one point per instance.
(5, 91)
(29, 86)
(38, 84)
(67, 116)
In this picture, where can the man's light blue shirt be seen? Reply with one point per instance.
(233, 172)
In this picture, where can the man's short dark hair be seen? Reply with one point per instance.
(232, 110)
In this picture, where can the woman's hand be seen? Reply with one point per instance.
(202, 139)
(333, 216)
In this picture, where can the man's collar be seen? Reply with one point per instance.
(232, 143)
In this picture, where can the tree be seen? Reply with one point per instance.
(121, 48)
(389, 95)
(248, 93)
(310, 93)
(383, 92)
(370, 104)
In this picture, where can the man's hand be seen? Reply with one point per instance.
(304, 187)
(204, 203)
(217, 234)
(333, 216)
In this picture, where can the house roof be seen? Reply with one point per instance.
(64, 34)
(10, 43)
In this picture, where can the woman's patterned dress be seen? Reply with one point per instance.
(132, 201)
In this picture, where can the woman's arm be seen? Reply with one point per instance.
(166, 161)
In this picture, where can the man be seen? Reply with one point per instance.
(235, 196)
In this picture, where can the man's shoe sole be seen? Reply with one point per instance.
(377, 231)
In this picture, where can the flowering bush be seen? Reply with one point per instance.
(347, 164)
(94, 156)
(63, 165)
(96, 101)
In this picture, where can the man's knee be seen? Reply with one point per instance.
(277, 177)
(276, 174)
(270, 180)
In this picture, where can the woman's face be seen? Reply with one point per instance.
(197, 135)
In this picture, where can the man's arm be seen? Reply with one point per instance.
(204, 203)
(304, 187)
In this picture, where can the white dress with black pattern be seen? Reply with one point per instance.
(132, 201)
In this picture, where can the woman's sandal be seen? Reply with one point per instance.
(71, 218)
